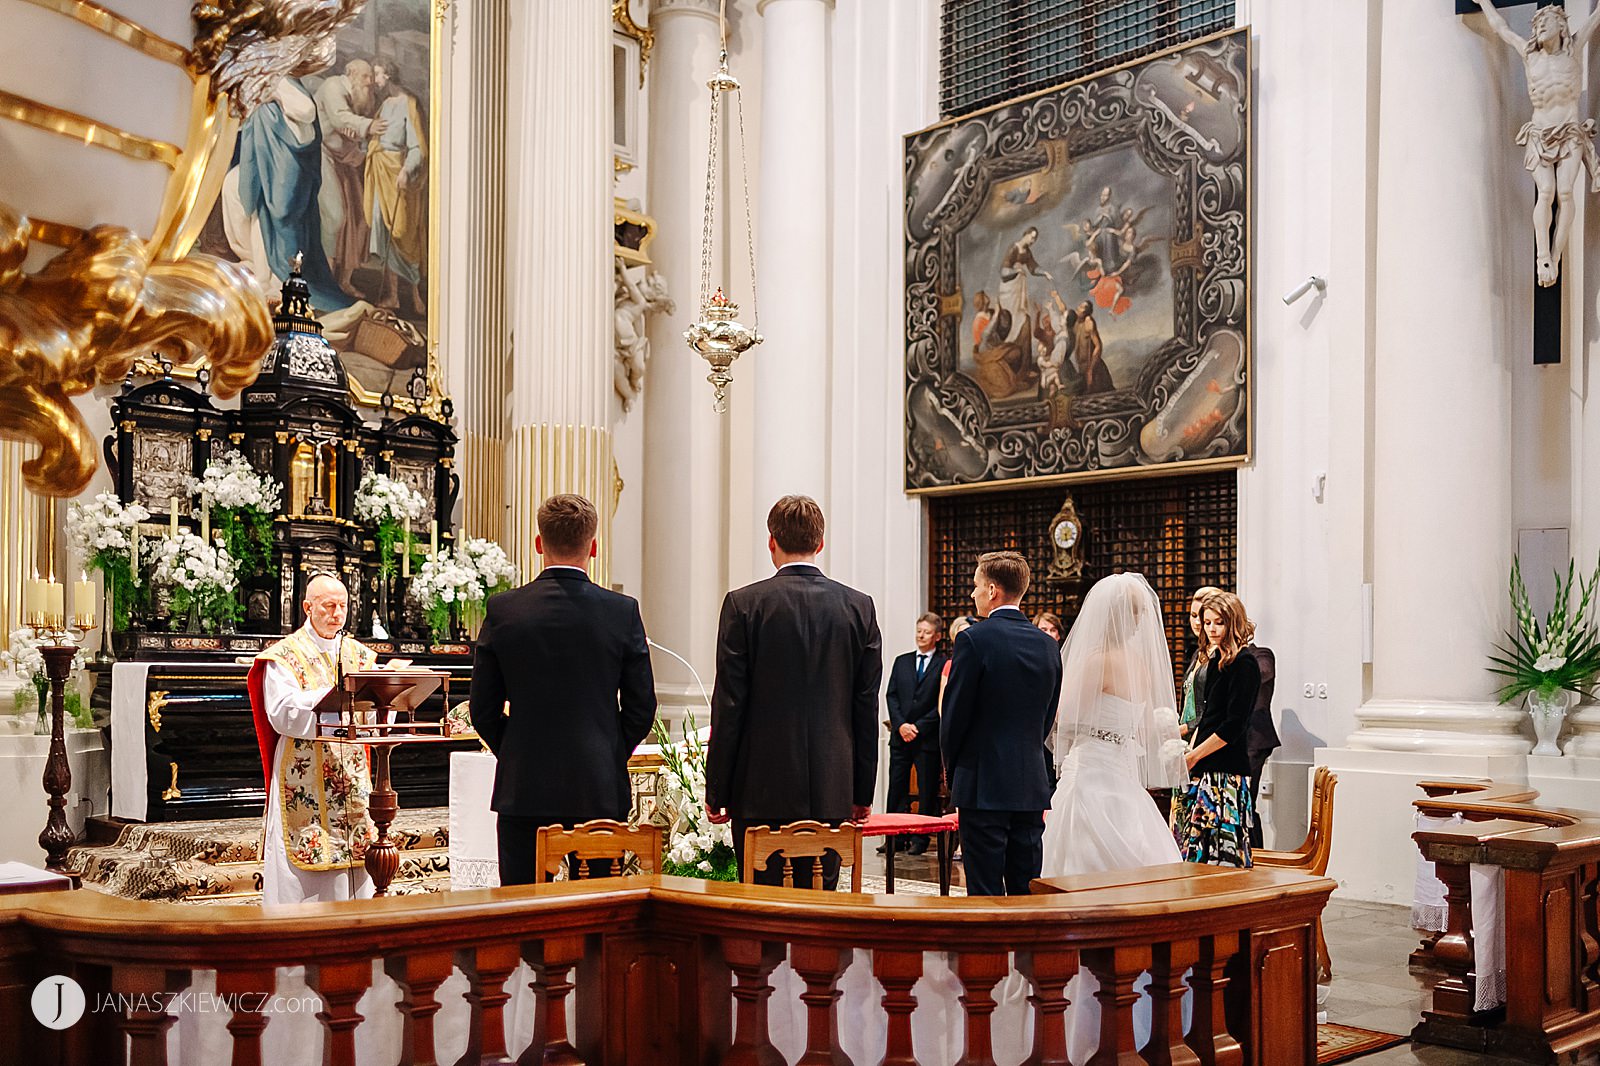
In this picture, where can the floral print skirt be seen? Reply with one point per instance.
(1211, 818)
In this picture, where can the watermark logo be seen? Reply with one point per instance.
(58, 1002)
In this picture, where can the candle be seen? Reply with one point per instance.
(172, 516)
(433, 537)
(33, 602)
(54, 603)
(205, 520)
(405, 554)
(133, 551)
(83, 602)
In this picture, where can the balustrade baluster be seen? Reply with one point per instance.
(898, 972)
(978, 973)
(752, 962)
(820, 967)
(145, 991)
(552, 960)
(1453, 952)
(1049, 972)
(1117, 969)
(98, 1037)
(1169, 962)
(341, 985)
(486, 968)
(248, 991)
(1209, 1038)
(419, 976)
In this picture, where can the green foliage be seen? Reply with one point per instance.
(247, 534)
(723, 866)
(1562, 652)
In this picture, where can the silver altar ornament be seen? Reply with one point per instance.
(717, 335)
(720, 338)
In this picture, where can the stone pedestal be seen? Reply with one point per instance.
(1569, 781)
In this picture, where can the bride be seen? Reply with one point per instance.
(1116, 735)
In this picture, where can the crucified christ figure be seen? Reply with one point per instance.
(1558, 140)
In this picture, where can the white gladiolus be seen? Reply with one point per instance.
(1547, 663)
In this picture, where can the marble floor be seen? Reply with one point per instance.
(1372, 987)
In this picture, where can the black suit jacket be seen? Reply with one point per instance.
(1230, 701)
(573, 660)
(1005, 682)
(914, 701)
(794, 718)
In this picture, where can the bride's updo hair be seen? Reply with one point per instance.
(1237, 629)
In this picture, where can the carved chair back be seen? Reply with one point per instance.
(803, 840)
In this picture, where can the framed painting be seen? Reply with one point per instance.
(340, 167)
(1077, 278)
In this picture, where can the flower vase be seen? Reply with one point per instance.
(1548, 712)
(193, 623)
(383, 602)
(41, 727)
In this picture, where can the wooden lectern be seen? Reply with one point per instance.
(377, 710)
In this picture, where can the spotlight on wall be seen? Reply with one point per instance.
(1313, 282)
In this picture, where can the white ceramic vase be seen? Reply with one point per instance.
(1549, 713)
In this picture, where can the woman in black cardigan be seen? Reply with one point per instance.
(1211, 818)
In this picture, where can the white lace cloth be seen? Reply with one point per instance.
(1429, 914)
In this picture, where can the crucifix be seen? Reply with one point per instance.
(1558, 143)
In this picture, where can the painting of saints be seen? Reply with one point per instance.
(396, 196)
(347, 109)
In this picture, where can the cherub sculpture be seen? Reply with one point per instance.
(1558, 141)
(634, 299)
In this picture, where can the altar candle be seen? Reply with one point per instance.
(433, 538)
(83, 602)
(405, 554)
(33, 601)
(172, 516)
(133, 551)
(54, 603)
(205, 520)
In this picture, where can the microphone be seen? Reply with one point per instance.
(692, 672)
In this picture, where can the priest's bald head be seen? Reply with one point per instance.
(325, 605)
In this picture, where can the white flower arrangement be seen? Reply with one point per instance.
(380, 498)
(25, 660)
(233, 483)
(696, 847)
(445, 582)
(189, 563)
(495, 569)
(27, 663)
(102, 527)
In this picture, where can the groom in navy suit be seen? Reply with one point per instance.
(1005, 682)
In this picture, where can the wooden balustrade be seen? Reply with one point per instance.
(1551, 862)
(666, 970)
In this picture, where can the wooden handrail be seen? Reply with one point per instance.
(586, 939)
(1550, 858)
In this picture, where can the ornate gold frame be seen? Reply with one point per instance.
(623, 18)
(212, 119)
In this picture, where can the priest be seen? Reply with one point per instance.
(316, 823)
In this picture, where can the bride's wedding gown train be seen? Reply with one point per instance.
(1101, 819)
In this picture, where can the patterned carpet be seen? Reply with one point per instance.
(219, 861)
(1341, 1043)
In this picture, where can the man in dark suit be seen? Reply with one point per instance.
(1261, 738)
(913, 699)
(794, 718)
(573, 660)
(1005, 682)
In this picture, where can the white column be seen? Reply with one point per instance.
(1443, 536)
(685, 454)
(561, 316)
(792, 367)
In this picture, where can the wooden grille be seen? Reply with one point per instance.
(994, 50)
(1179, 532)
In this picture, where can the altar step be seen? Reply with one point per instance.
(219, 860)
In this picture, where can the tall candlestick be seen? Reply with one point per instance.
(172, 516)
(83, 602)
(133, 551)
(433, 537)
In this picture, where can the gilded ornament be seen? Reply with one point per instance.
(246, 46)
(79, 321)
(643, 34)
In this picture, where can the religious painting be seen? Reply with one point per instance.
(338, 168)
(1077, 281)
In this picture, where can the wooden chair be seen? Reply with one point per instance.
(803, 840)
(1311, 857)
(602, 838)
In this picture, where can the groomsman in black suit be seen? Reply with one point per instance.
(573, 660)
(1005, 682)
(913, 699)
(794, 718)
